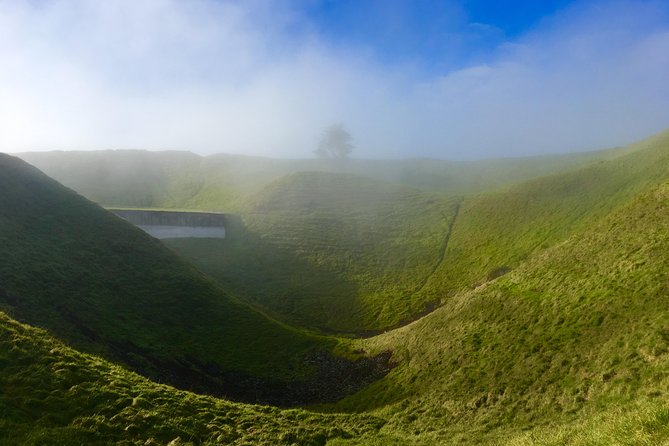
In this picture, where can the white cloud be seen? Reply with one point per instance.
(253, 77)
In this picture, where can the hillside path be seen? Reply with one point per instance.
(444, 247)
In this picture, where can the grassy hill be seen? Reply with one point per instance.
(331, 251)
(577, 330)
(54, 395)
(571, 347)
(553, 327)
(495, 232)
(326, 249)
(345, 253)
(107, 287)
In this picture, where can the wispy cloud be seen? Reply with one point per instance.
(257, 77)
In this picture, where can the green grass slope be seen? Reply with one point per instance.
(331, 251)
(344, 253)
(554, 327)
(572, 345)
(54, 395)
(644, 422)
(495, 232)
(107, 287)
(576, 331)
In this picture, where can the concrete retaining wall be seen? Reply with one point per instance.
(172, 224)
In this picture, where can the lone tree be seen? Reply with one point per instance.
(335, 143)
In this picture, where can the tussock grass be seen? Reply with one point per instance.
(496, 232)
(643, 423)
(553, 327)
(54, 395)
(577, 330)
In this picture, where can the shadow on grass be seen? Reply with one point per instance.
(333, 378)
(274, 279)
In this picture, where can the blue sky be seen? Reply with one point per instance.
(448, 79)
(437, 35)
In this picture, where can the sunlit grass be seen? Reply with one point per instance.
(553, 328)
(53, 395)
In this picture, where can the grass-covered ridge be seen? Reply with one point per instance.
(497, 231)
(54, 395)
(332, 251)
(553, 327)
(575, 331)
(571, 345)
(107, 287)
(326, 249)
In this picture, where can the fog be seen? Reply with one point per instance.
(259, 78)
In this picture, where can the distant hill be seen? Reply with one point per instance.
(106, 287)
(223, 182)
(126, 177)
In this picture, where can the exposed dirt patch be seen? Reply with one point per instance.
(334, 377)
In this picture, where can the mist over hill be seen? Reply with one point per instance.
(334, 223)
(223, 182)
